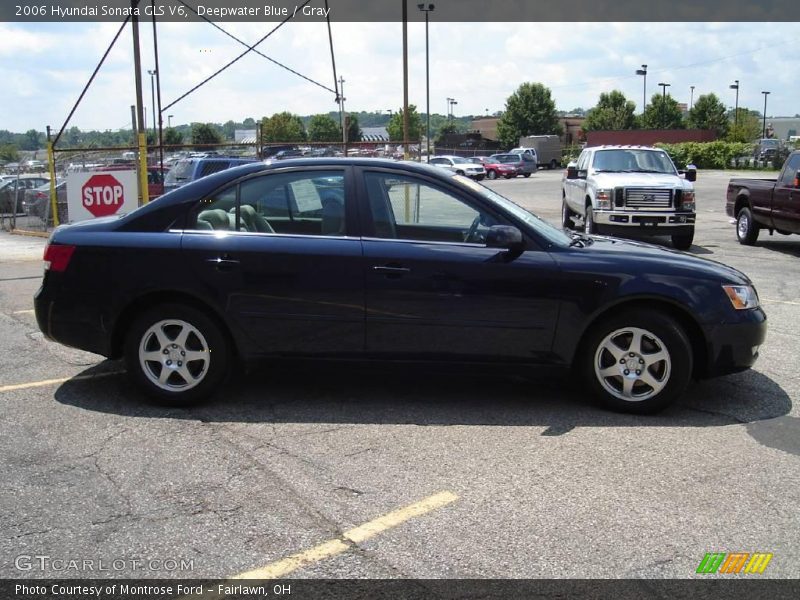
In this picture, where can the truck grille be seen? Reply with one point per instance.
(648, 198)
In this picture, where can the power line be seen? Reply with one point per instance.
(235, 60)
(243, 43)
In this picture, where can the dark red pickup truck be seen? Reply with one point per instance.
(772, 204)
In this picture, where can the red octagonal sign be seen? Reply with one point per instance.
(102, 195)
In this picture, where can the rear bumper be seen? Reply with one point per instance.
(733, 347)
(73, 320)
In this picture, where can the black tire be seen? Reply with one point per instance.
(480, 177)
(459, 172)
(684, 240)
(746, 228)
(671, 376)
(492, 174)
(206, 339)
(589, 226)
(553, 164)
(566, 215)
(509, 176)
(526, 174)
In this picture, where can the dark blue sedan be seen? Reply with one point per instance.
(370, 259)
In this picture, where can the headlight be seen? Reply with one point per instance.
(687, 203)
(741, 296)
(603, 198)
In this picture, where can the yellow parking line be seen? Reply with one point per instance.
(46, 382)
(23, 312)
(769, 300)
(356, 535)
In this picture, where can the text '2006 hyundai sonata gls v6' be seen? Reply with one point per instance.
(371, 259)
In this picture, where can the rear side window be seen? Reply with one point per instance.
(182, 171)
(212, 166)
(790, 172)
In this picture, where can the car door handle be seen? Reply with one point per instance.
(223, 263)
(391, 270)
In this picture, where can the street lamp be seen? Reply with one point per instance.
(691, 97)
(153, 92)
(449, 105)
(735, 86)
(453, 102)
(664, 87)
(430, 8)
(764, 122)
(643, 73)
(169, 120)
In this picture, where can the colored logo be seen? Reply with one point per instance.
(734, 562)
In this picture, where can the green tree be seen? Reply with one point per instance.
(353, 130)
(529, 111)
(663, 112)
(283, 127)
(745, 128)
(612, 113)
(31, 140)
(172, 137)
(709, 113)
(322, 128)
(204, 134)
(446, 129)
(8, 152)
(395, 126)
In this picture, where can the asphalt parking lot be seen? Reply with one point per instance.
(453, 474)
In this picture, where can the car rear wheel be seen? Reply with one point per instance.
(746, 229)
(683, 241)
(177, 354)
(639, 361)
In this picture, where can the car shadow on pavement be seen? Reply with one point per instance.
(346, 394)
(791, 248)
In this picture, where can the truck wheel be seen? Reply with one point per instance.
(639, 361)
(553, 164)
(684, 240)
(176, 354)
(526, 174)
(589, 226)
(746, 228)
(566, 215)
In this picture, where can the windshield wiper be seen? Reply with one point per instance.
(645, 171)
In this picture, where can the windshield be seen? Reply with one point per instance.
(459, 161)
(553, 235)
(633, 161)
(180, 172)
(507, 158)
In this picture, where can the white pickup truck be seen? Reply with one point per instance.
(630, 190)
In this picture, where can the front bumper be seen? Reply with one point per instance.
(645, 222)
(733, 347)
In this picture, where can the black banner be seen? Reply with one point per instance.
(734, 588)
(391, 10)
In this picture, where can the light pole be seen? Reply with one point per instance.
(452, 113)
(169, 120)
(664, 87)
(427, 10)
(643, 73)
(449, 105)
(153, 92)
(691, 97)
(735, 86)
(342, 117)
(764, 121)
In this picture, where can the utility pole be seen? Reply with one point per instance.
(405, 79)
(342, 116)
(137, 67)
(427, 10)
(764, 119)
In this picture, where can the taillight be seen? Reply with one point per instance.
(57, 257)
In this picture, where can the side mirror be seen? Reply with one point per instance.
(504, 236)
(691, 174)
(572, 172)
(582, 174)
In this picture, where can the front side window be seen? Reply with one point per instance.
(405, 207)
(299, 203)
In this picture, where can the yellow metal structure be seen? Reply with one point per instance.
(144, 193)
(51, 165)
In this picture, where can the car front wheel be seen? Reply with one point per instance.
(491, 174)
(684, 240)
(639, 361)
(746, 228)
(589, 226)
(176, 354)
(566, 215)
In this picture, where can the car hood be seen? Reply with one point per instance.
(638, 180)
(657, 259)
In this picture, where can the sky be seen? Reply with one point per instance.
(44, 67)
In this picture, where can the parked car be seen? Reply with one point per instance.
(459, 165)
(191, 169)
(12, 190)
(364, 258)
(37, 202)
(284, 154)
(155, 176)
(521, 165)
(630, 191)
(771, 150)
(529, 155)
(772, 204)
(496, 167)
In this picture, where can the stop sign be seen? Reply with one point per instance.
(102, 195)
